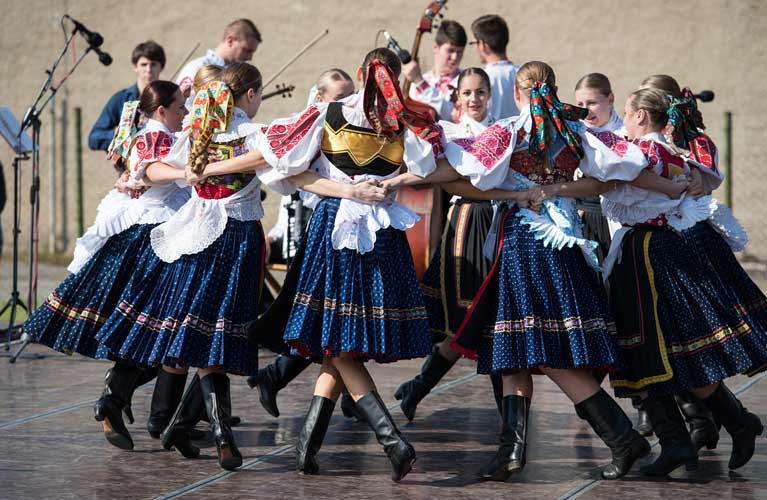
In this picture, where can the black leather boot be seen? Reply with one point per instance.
(675, 445)
(401, 454)
(147, 375)
(167, 393)
(215, 393)
(349, 407)
(614, 428)
(118, 385)
(511, 455)
(413, 391)
(700, 420)
(742, 425)
(274, 377)
(178, 434)
(643, 425)
(312, 434)
(497, 380)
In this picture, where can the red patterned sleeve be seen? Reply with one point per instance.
(147, 149)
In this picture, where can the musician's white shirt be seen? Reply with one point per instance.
(186, 76)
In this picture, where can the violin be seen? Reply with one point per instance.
(425, 200)
(281, 89)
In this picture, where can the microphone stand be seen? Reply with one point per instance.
(32, 120)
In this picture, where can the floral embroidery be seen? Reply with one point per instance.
(489, 147)
(703, 150)
(283, 138)
(616, 144)
(152, 146)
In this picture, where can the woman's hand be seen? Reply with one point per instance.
(534, 198)
(393, 184)
(695, 188)
(370, 191)
(193, 178)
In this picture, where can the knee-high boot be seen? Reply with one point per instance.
(413, 391)
(742, 425)
(178, 434)
(401, 453)
(165, 398)
(215, 393)
(497, 380)
(274, 377)
(703, 428)
(349, 407)
(312, 434)
(512, 454)
(614, 428)
(675, 445)
(118, 386)
(643, 425)
(147, 375)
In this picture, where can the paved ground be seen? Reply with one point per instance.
(50, 446)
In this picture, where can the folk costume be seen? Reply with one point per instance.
(542, 303)
(693, 317)
(437, 91)
(453, 277)
(352, 288)
(106, 259)
(595, 226)
(203, 283)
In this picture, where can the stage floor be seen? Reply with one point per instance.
(51, 447)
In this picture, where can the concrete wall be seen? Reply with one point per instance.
(718, 44)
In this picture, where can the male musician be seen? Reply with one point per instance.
(148, 61)
(240, 41)
(491, 36)
(435, 87)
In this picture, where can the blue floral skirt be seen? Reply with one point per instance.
(458, 267)
(71, 316)
(538, 307)
(194, 311)
(687, 315)
(368, 305)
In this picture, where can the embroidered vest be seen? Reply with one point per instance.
(357, 150)
(221, 186)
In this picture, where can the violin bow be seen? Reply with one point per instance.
(295, 57)
(186, 60)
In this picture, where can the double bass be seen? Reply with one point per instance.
(424, 200)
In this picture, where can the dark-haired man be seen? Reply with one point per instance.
(435, 87)
(148, 61)
(491, 36)
(240, 41)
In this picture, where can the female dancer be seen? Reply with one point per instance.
(702, 316)
(594, 93)
(351, 294)
(543, 305)
(106, 256)
(190, 306)
(459, 265)
(332, 85)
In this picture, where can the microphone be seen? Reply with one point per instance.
(94, 39)
(705, 96)
(403, 54)
(104, 58)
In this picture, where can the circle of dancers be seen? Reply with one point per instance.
(578, 245)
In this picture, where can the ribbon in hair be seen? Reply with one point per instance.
(544, 106)
(387, 112)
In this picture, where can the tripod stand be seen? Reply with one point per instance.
(32, 120)
(15, 301)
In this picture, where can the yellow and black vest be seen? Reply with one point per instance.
(358, 150)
